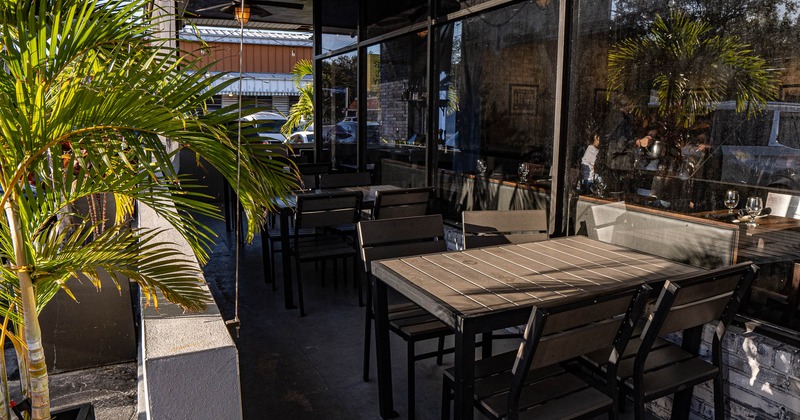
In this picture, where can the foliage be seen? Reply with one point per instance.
(301, 114)
(86, 98)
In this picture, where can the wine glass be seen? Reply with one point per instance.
(480, 165)
(731, 200)
(523, 172)
(754, 206)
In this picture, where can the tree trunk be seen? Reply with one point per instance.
(37, 369)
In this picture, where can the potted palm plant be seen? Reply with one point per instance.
(88, 99)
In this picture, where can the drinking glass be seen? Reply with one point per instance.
(731, 200)
(754, 206)
(480, 165)
(523, 172)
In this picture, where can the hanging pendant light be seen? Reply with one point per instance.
(242, 14)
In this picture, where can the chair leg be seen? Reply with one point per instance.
(719, 398)
(410, 366)
(357, 274)
(446, 397)
(266, 257)
(272, 266)
(638, 407)
(367, 337)
(440, 351)
(300, 288)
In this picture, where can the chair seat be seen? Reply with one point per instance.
(413, 323)
(676, 376)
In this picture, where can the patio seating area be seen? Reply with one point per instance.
(311, 366)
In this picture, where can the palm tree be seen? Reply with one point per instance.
(86, 97)
(301, 113)
(689, 68)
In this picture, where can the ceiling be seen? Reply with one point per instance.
(281, 18)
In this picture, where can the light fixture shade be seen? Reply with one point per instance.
(242, 14)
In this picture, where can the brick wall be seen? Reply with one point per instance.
(762, 374)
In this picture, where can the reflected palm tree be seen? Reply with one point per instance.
(679, 68)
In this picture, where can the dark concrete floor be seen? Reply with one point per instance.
(307, 367)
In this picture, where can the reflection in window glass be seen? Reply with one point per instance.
(397, 109)
(386, 16)
(339, 106)
(333, 42)
(495, 109)
(668, 127)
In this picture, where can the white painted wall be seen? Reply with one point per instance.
(189, 365)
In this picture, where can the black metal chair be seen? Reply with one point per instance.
(490, 228)
(533, 382)
(321, 211)
(394, 238)
(653, 367)
(405, 202)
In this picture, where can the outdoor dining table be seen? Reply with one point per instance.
(286, 209)
(485, 289)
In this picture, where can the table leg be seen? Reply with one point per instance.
(382, 352)
(464, 375)
(287, 260)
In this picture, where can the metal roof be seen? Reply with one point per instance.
(260, 84)
(251, 36)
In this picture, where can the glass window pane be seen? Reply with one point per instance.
(495, 109)
(339, 24)
(397, 108)
(386, 16)
(672, 104)
(339, 106)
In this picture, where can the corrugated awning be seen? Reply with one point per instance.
(261, 84)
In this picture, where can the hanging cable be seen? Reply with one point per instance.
(235, 322)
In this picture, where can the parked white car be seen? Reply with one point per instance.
(268, 125)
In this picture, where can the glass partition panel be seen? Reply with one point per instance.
(495, 109)
(682, 110)
(386, 16)
(396, 110)
(339, 24)
(339, 110)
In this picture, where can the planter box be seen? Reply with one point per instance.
(95, 331)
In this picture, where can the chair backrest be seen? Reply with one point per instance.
(558, 334)
(308, 182)
(313, 168)
(400, 237)
(348, 179)
(406, 202)
(323, 210)
(489, 228)
(692, 301)
(784, 205)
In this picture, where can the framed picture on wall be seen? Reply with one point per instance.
(522, 99)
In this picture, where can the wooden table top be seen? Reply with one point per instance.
(769, 223)
(483, 280)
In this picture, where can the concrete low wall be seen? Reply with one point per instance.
(189, 365)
